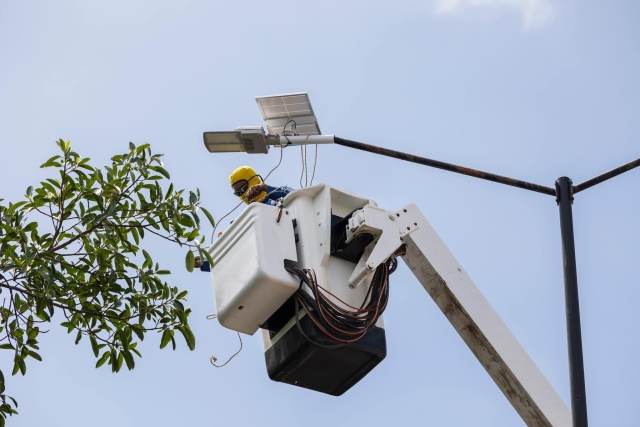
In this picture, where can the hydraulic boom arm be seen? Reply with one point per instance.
(475, 320)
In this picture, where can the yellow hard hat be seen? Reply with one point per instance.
(247, 173)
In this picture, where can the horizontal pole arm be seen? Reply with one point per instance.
(446, 166)
(605, 176)
(286, 140)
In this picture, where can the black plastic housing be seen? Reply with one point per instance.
(292, 359)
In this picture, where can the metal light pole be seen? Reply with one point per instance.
(564, 197)
(564, 191)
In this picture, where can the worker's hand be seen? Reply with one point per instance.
(255, 191)
(197, 262)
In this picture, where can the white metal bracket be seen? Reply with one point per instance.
(388, 228)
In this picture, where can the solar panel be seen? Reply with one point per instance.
(277, 110)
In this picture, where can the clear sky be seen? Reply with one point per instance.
(533, 89)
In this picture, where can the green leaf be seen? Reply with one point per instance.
(209, 257)
(194, 233)
(113, 360)
(188, 336)
(103, 359)
(1, 382)
(35, 355)
(70, 326)
(178, 305)
(94, 345)
(29, 191)
(78, 337)
(209, 216)
(120, 360)
(143, 147)
(51, 162)
(169, 191)
(128, 358)
(166, 338)
(190, 261)
(138, 332)
(161, 171)
(136, 236)
(6, 347)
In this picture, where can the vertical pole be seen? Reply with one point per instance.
(574, 335)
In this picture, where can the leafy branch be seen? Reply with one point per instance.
(87, 264)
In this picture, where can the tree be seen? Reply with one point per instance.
(85, 264)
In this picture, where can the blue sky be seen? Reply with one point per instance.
(532, 89)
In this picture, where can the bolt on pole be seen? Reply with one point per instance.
(564, 192)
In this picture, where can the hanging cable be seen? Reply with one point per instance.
(304, 164)
(333, 317)
(284, 131)
(315, 161)
(305, 168)
(213, 359)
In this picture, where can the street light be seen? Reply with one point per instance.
(289, 119)
(280, 110)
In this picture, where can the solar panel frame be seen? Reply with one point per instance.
(278, 110)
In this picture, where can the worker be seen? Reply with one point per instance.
(250, 187)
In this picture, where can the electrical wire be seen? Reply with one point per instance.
(303, 156)
(213, 233)
(315, 162)
(335, 318)
(293, 131)
(213, 359)
(305, 167)
(277, 166)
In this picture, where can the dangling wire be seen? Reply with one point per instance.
(293, 131)
(277, 166)
(315, 161)
(304, 163)
(305, 169)
(213, 359)
(213, 233)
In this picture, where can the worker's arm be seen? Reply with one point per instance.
(255, 190)
(275, 193)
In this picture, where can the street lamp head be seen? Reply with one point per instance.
(248, 139)
(223, 142)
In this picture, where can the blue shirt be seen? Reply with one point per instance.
(273, 194)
